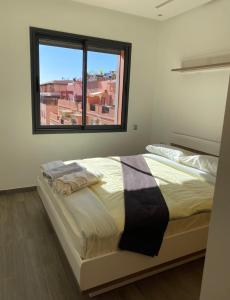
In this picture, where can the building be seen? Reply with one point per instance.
(61, 101)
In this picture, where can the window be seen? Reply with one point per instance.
(79, 83)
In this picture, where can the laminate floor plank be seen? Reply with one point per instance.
(182, 282)
(33, 265)
(130, 292)
(112, 295)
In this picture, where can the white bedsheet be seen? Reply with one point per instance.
(94, 228)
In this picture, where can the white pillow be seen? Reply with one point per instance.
(170, 152)
(204, 163)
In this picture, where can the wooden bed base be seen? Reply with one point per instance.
(103, 273)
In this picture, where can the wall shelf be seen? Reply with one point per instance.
(204, 67)
(205, 63)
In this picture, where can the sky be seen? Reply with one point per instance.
(57, 63)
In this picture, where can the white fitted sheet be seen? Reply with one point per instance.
(91, 246)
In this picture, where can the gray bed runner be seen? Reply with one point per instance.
(146, 212)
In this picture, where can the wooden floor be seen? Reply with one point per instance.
(33, 266)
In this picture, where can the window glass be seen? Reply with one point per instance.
(104, 88)
(60, 85)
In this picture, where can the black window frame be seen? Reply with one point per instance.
(37, 34)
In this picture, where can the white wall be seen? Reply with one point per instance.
(21, 153)
(194, 104)
(191, 103)
(216, 278)
(188, 103)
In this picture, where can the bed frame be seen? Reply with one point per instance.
(195, 144)
(122, 267)
(106, 272)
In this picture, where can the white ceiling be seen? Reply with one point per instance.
(153, 9)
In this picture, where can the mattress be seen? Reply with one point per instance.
(94, 217)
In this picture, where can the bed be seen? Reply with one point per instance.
(89, 223)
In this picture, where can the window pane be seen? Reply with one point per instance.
(104, 88)
(60, 84)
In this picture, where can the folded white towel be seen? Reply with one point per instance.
(51, 165)
(54, 173)
(70, 183)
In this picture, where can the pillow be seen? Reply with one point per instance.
(170, 152)
(204, 163)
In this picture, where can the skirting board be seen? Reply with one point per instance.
(120, 264)
(18, 190)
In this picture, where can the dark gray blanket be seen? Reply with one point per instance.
(146, 213)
